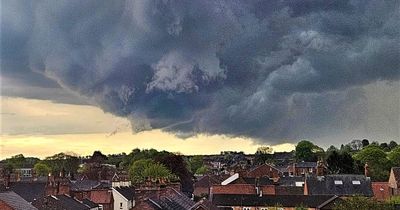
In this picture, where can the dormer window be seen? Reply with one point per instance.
(338, 182)
(356, 182)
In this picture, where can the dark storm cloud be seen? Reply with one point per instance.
(263, 69)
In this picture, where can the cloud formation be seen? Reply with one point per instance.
(262, 69)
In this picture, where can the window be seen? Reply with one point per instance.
(246, 208)
(264, 208)
(338, 182)
(120, 205)
(299, 184)
(100, 207)
(357, 182)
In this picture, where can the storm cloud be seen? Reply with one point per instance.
(269, 70)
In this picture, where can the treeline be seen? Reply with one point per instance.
(141, 165)
(347, 159)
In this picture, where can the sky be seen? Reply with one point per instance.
(197, 77)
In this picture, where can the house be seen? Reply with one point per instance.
(340, 185)
(63, 202)
(282, 202)
(381, 191)
(203, 184)
(302, 168)
(103, 197)
(12, 201)
(290, 185)
(244, 185)
(264, 170)
(124, 197)
(173, 199)
(394, 181)
(29, 191)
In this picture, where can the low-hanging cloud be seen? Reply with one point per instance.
(262, 69)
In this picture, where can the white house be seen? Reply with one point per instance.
(124, 198)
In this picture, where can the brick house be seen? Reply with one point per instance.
(302, 168)
(264, 170)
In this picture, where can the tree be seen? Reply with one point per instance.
(340, 163)
(377, 161)
(263, 155)
(42, 169)
(392, 145)
(98, 157)
(156, 171)
(385, 147)
(394, 156)
(365, 142)
(356, 145)
(63, 162)
(202, 170)
(362, 203)
(137, 169)
(264, 150)
(195, 162)
(177, 165)
(305, 151)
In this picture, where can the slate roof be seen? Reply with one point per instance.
(84, 185)
(174, 201)
(325, 185)
(271, 200)
(28, 190)
(290, 180)
(89, 203)
(70, 203)
(289, 190)
(127, 192)
(306, 164)
(255, 181)
(15, 201)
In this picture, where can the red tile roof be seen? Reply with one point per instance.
(381, 190)
(234, 189)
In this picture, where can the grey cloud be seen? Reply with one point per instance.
(263, 69)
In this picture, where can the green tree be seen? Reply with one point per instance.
(377, 161)
(156, 171)
(307, 151)
(41, 169)
(137, 169)
(362, 203)
(340, 163)
(63, 162)
(202, 170)
(365, 142)
(394, 156)
(392, 145)
(195, 162)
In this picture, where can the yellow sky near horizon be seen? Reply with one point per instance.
(42, 128)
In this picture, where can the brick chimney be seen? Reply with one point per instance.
(366, 170)
(320, 168)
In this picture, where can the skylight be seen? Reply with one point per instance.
(337, 182)
(356, 182)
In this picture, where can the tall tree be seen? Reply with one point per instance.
(392, 145)
(41, 169)
(306, 151)
(340, 163)
(378, 163)
(394, 156)
(365, 142)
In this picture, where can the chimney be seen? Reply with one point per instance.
(320, 168)
(366, 169)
